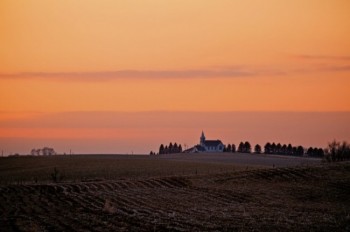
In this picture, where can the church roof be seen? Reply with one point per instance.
(212, 143)
(199, 148)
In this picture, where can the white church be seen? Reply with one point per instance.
(206, 146)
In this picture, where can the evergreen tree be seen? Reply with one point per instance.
(241, 147)
(247, 147)
(278, 148)
(170, 148)
(152, 153)
(180, 148)
(175, 148)
(161, 149)
(267, 148)
(300, 151)
(284, 149)
(289, 149)
(229, 148)
(257, 149)
(320, 152)
(310, 151)
(273, 148)
(233, 148)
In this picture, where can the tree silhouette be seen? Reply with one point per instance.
(273, 148)
(289, 149)
(175, 148)
(45, 151)
(161, 149)
(170, 148)
(300, 151)
(278, 148)
(310, 151)
(344, 151)
(247, 147)
(338, 151)
(267, 148)
(320, 152)
(233, 147)
(241, 147)
(333, 149)
(257, 149)
(229, 148)
(284, 149)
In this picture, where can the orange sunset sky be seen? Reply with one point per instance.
(113, 76)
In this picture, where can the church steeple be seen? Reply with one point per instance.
(202, 139)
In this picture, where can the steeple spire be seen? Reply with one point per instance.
(202, 139)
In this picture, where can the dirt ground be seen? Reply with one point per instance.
(298, 198)
(258, 160)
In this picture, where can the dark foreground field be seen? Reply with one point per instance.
(217, 197)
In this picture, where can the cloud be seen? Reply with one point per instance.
(327, 65)
(321, 64)
(322, 57)
(344, 68)
(141, 74)
(325, 68)
(153, 119)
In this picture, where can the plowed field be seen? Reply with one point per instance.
(303, 198)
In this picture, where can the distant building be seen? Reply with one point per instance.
(206, 146)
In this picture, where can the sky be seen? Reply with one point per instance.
(110, 76)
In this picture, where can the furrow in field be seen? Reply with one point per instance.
(108, 186)
(134, 184)
(102, 186)
(155, 183)
(87, 203)
(146, 184)
(217, 197)
(164, 183)
(44, 212)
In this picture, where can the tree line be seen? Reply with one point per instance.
(243, 147)
(278, 149)
(230, 148)
(46, 151)
(335, 151)
(168, 149)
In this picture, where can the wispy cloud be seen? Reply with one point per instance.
(324, 68)
(343, 68)
(322, 57)
(321, 64)
(328, 64)
(141, 74)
